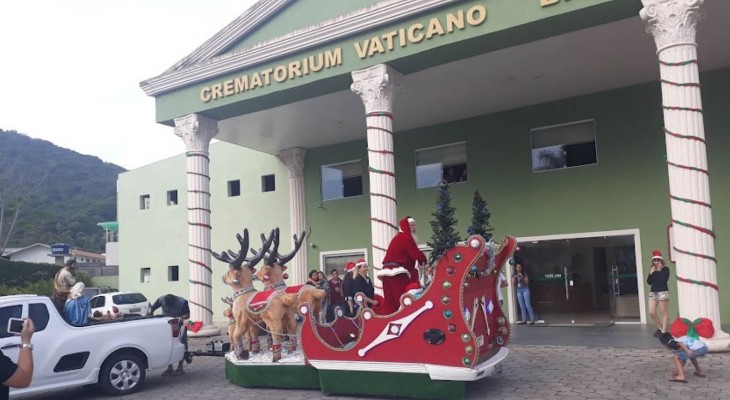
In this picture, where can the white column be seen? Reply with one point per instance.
(378, 86)
(294, 161)
(673, 23)
(197, 131)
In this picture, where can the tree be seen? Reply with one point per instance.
(444, 235)
(480, 218)
(15, 190)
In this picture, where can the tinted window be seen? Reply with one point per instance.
(39, 314)
(7, 313)
(129, 298)
(97, 301)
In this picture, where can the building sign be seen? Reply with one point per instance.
(59, 249)
(333, 58)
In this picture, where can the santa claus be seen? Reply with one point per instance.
(400, 272)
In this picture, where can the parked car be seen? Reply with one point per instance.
(91, 291)
(126, 302)
(115, 354)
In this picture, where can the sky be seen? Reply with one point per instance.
(70, 70)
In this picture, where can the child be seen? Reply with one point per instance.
(684, 348)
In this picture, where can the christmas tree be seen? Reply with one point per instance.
(444, 235)
(480, 218)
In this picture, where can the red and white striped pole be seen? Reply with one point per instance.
(378, 86)
(197, 131)
(673, 23)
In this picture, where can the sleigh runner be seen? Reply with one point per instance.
(451, 332)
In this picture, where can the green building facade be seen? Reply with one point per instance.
(592, 144)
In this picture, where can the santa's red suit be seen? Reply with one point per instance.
(399, 267)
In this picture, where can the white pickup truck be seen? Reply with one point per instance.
(113, 354)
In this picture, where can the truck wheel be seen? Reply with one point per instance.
(122, 373)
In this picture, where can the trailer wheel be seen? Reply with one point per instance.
(122, 373)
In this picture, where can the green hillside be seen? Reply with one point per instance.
(75, 193)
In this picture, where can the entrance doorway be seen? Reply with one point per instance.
(584, 281)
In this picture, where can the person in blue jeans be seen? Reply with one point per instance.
(521, 282)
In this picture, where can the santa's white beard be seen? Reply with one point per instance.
(415, 238)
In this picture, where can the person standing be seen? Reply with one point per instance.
(324, 285)
(62, 284)
(400, 266)
(362, 284)
(521, 281)
(18, 375)
(658, 279)
(174, 306)
(336, 297)
(313, 279)
(347, 290)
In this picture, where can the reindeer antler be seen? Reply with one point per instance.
(276, 258)
(258, 255)
(227, 300)
(235, 259)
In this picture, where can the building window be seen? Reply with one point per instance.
(173, 273)
(234, 188)
(268, 183)
(144, 202)
(564, 146)
(144, 275)
(341, 180)
(172, 197)
(443, 163)
(338, 259)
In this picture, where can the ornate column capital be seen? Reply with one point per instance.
(294, 160)
(196, 131)
(377, 86)
(672, 22)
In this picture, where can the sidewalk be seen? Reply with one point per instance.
(632, 336)
(620, 362)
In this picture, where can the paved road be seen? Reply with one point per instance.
(530, 372)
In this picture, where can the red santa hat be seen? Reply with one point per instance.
(349, 266)
(656, 254)
(360, 262)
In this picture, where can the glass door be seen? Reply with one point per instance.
(624, 299)
(573, 281)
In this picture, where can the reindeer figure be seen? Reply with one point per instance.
(228, 313)
(272, 275)
(275, 313)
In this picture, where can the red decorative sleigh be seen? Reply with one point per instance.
(454, 330)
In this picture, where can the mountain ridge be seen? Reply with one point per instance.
(74, 193)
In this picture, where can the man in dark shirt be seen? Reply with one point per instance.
(347, 293)
(336, 297)
(174, 306)
(18, 375)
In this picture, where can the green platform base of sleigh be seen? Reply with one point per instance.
(389, 384)
(354, 383)
(281, 376)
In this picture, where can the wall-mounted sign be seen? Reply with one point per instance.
(59, 249)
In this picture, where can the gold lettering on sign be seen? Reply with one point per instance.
(401, 37)
(418, 32)
(280, 73)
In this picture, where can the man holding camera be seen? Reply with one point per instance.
(18, 375)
